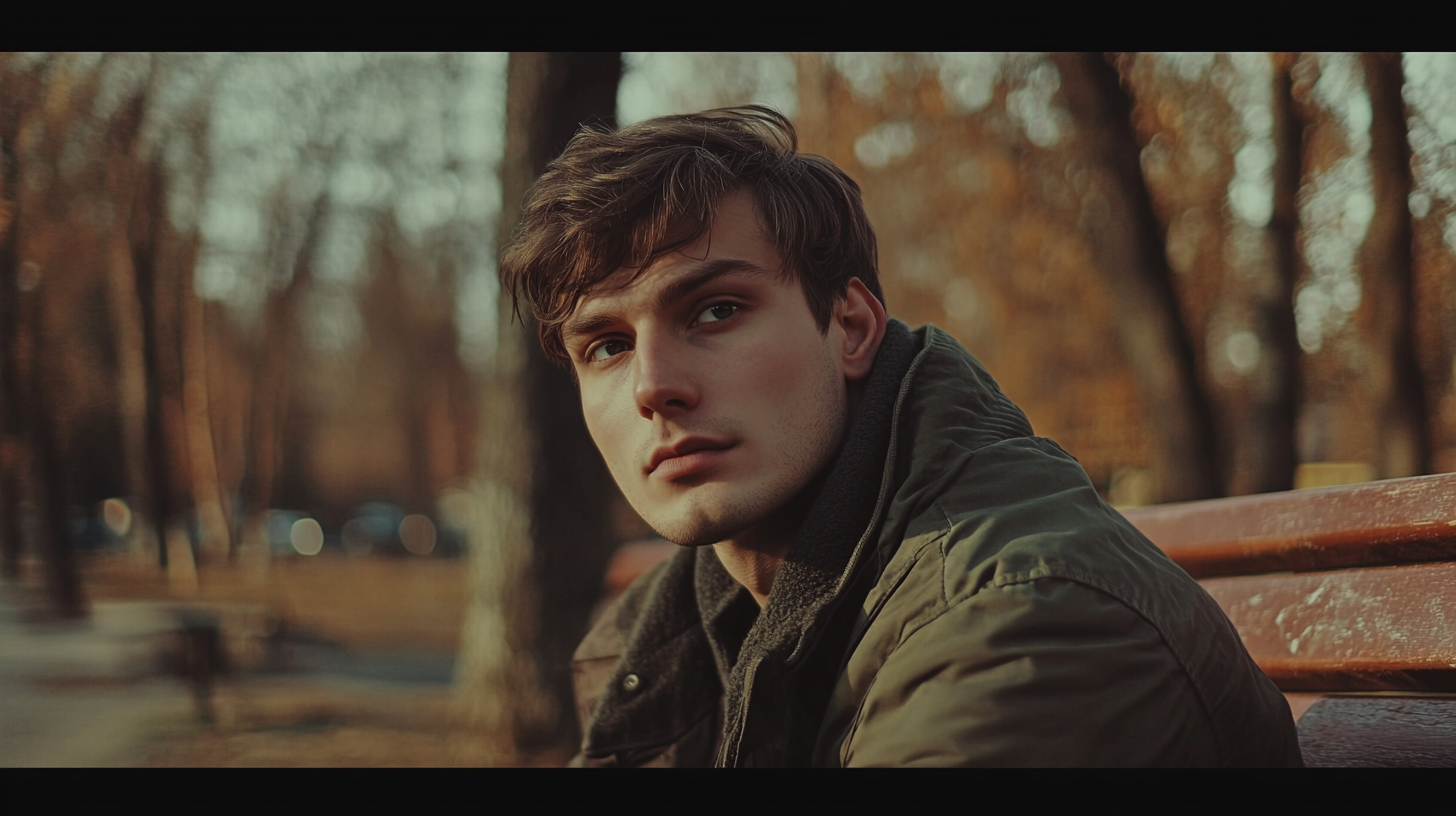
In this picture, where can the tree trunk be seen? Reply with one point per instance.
(1387, 312)
(62, 580)
(1270, 435)
(30, 407)
(208, 495)
(126, 319)
(29, 440)
(541, 538)
(1126, 240)
(123, 178)
(10, 400)
(158, 298)
(269, 396)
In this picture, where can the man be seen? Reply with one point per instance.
(881, 564)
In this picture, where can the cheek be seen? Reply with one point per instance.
(808, 391)
(610, 423)
(788, 371)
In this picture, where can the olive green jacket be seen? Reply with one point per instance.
(958, 595)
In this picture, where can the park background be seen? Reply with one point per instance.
(254, 364)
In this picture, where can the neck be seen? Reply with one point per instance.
(753, 557)
(755, 569)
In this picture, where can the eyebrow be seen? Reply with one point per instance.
(700, 276)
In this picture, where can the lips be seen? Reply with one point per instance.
(686, 456)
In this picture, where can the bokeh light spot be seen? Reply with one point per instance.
(117, 516)
(306, 536)
(1243, 350)
(417, 533)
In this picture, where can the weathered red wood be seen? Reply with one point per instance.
(1379, 732)
(1383, 628)
(1390, 522)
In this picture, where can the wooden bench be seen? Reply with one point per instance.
(1346, 597)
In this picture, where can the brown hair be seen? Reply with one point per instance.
(621, 199)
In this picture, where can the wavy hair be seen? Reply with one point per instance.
(620, 199)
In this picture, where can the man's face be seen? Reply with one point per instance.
(707, 384)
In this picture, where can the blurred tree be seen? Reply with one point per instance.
(20, 87)
(159, 284)
(42, 398)
(1430, 97)
(341, 228)
(968, 170)
(431, 393)
(48, 97)
(1126, 240)
(124, 166)
(1387, 312)
(1271, 432)
(274, 345)
(544, 536)
(1222, 160)
(1363, 393)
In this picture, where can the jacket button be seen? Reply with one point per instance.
(631, 682)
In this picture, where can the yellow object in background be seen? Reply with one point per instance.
(1331, 474)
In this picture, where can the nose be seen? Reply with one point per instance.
(665, 380)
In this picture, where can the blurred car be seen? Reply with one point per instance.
(373, 529)
(89, 531)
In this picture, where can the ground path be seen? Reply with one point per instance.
(83, 693)
(94, 693)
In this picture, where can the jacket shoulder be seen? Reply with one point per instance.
(1046, 672)
(1023, 621)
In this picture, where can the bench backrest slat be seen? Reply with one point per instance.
(1382, 628)
(1391, 522)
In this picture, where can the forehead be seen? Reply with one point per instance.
(736, 243)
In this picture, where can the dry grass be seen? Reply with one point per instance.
(306, 724)
(362, 603)
(264, 720)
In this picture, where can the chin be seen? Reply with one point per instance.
(709, 515)
(693, 532)
(703, 523)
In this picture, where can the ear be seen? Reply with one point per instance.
(861, 318)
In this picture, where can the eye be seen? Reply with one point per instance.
(717, 312)
(607, 350)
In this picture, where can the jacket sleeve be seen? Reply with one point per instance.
(1048, 672)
